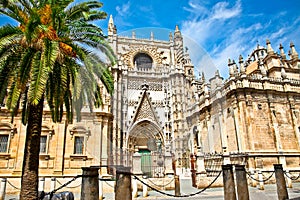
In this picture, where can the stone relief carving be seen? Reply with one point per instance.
(135, 49)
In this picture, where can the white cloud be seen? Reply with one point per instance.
(123, 9)
(227, 31)
(221, 10)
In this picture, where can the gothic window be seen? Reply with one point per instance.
(143, 60)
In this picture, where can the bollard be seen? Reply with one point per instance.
(41, 184)
(193, 170)
(241, 182)
(90, 183)
(134, 188)
(228, 182)
(280, 182)
(123, 184)
(261, 180)
(145, 188)
(100, 189)
(53, 184)
(2, 188)
(288, 179)
(177, 185)
(253, 182)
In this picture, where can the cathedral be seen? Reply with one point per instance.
(159, 107)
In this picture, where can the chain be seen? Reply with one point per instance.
(264, 180)
(64, 185)
(187, 195)
(68, 186)
(160, 185)
(13, 185)
(292, 177)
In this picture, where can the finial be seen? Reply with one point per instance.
(269, 47)
(111, 26)
(111, 21)
(133, 34)
(282, 51)
(242, 67)
(294, 53)
(151, 35)
(203, 77)
(177, 29)
(241, 59)
(170, 36)
(217, 73)
(229, 61)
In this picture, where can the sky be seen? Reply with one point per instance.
(214, 31)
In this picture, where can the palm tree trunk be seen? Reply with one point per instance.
(30, 174)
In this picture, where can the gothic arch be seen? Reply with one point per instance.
(141, 132)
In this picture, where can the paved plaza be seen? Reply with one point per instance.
(269, 193)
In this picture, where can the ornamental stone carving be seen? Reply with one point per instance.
(134, 50)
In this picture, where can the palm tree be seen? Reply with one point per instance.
(52, 54)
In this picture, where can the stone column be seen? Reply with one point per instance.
(260, 178)
(90, 183)
(288, 179)
(2, 188)
(280, 183)
(253, 182)
(200, 161)
(53, 184)
(228, 182)
(136, 164)
(123, 184)
(241, 182)
(145, 188)
(41, 183)
(134, 188)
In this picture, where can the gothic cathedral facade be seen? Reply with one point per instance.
(160, 106)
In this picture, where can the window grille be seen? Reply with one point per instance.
(3, 143)
(78, 145)
(43, 144)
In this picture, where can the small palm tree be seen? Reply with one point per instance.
(52, 54)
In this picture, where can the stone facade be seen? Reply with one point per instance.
(159, 106)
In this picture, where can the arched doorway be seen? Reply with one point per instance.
(146, 138)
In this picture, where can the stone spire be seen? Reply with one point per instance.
(170, 37)
(282, 54)
(294, 54)
(230, 66)
(242, 67)
(269, 47)
(151, 35)
(178, 46)
(111, 26)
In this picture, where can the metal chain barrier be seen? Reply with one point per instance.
(62, 186)
(264, 180)
(160, 185)
(68, 186)
(13, 185)
(187, 195)
(292, 177)
(109, 184)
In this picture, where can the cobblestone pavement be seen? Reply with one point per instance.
(270, 193)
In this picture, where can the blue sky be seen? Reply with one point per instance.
(223, 29)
